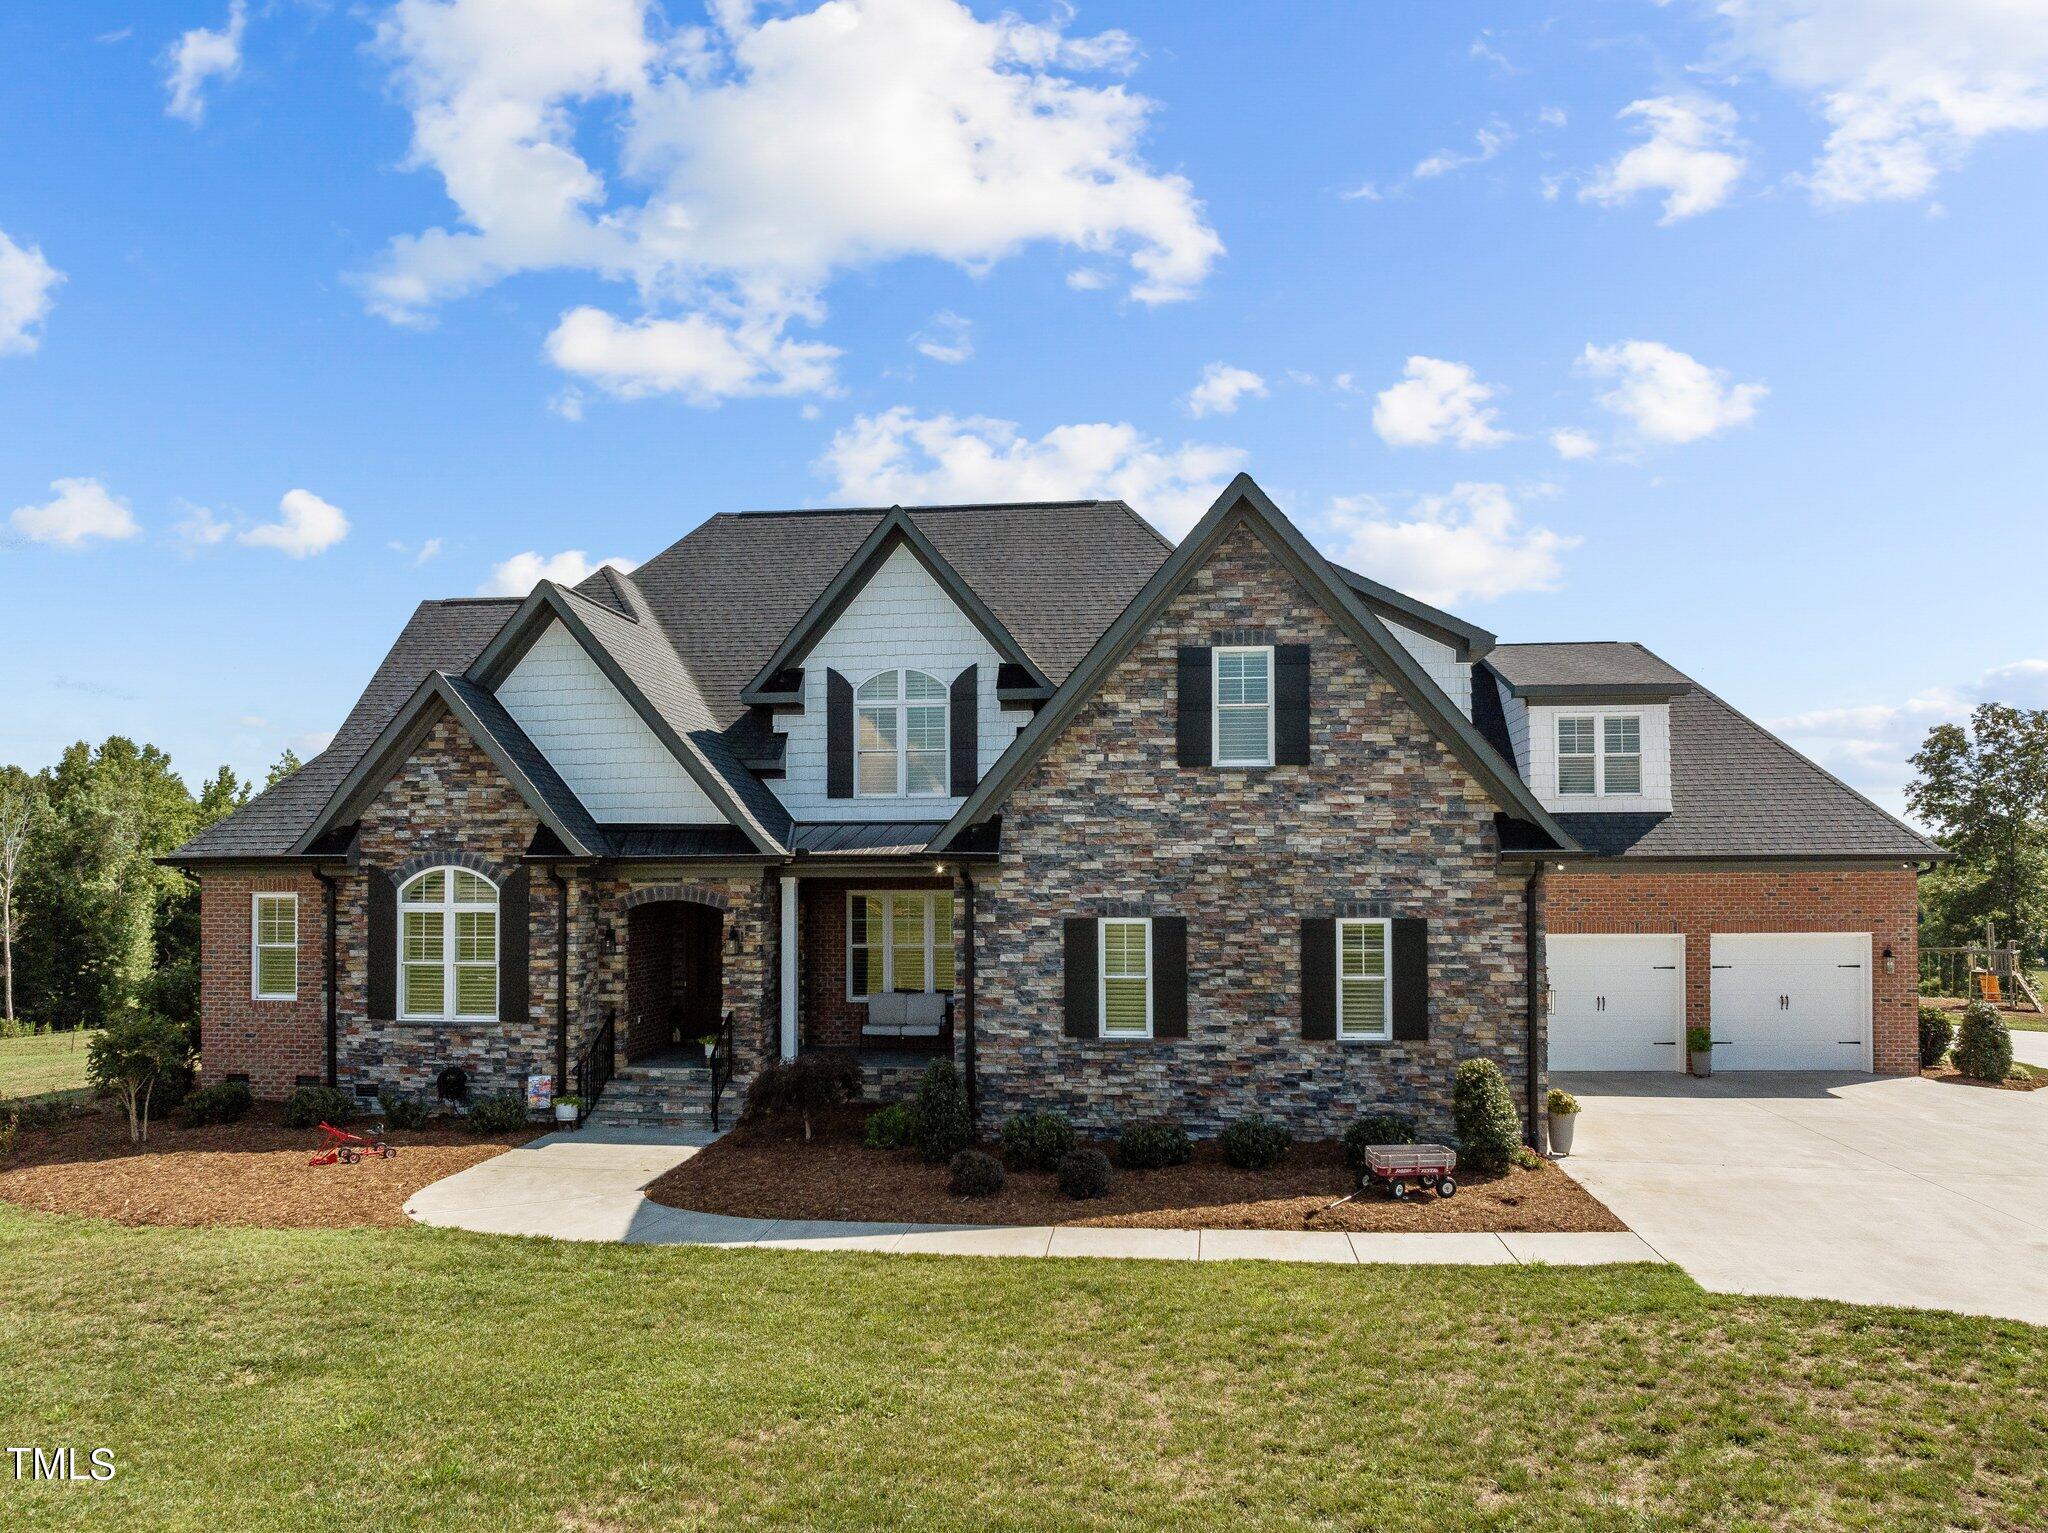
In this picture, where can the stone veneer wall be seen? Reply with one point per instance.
(1107, 822)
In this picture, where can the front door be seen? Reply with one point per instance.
(699, 973)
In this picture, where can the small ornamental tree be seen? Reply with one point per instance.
(1489, 1133)
(808, 1084)
(128, 1058)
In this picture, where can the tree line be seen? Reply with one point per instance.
(1982, 789)
(91, 926)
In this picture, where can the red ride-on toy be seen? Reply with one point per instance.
(341, 1145)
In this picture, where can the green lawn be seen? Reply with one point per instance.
(50, 1062)
(414, 1378)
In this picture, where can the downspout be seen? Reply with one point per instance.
(967, 995)
(333, 923)
(1530, 939)
(561, 982)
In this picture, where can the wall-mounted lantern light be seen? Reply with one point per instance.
(1889, 963)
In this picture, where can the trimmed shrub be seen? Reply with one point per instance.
(1085, 1174)
(498, 1114)
(1489, 1133)
(1983, 1048)
(977, 1174)
(1936, 1034)
(313, 1105)
(942, 1128)
(1375, 1128)
(891, 1128)
(1037, 1141)
(222, 1102)
(1154, 1145)
(404, 1112)
(806, 1085)
(1255, 1143)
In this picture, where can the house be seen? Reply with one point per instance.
(1125, 829)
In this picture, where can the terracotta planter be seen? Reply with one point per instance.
(1561, 1132)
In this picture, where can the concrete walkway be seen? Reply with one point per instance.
(588, 1186)
(2030, 1047)
(1872, 1189)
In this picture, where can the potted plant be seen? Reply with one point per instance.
(1699, 1048)
(1564, 1112)
(567, 1108)
(709, 1042)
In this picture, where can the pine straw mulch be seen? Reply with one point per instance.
(2023, 1078)
(252, 1172)
(766, 1170)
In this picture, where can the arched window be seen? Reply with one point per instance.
(901, 734)
(448, 945)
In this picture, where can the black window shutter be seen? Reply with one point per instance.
(381, 968)
(1169, 976)
(1411, 978)
(966, 700)
(1318, 977)
(1083, 1018)
(1191, 728)
(515, 1002)
(838, 736)
(1290, 705)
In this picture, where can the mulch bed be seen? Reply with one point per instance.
(2033, 1080)
(252, 1172)
(766, 1170)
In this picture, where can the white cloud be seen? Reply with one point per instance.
(1088, 279)
(898, 457)
(696, 356)
(26, 283)
(200, 527)
(1571, 443)
(1220, 389)
(522, 572)
(1466, 544)
(1871, 745)
(1668, 396)
(80, 511)
(307, 525)
(776, 153)
(1437, 402)
(1906, 86)
(1689, 153)
(1488, 142)
(431, 549)
(948, 338)
(202, 55)
(1365, 191)
(1552, 117)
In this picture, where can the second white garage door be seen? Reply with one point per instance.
(1616, 1003)
(1791, 1001)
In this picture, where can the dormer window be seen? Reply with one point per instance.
(900, 733)
(1599, 755)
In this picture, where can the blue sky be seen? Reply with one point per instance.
(310, 311)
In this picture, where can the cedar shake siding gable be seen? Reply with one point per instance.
(1383, 820)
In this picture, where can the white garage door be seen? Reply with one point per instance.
(1616, 1003)
(1791, 1001)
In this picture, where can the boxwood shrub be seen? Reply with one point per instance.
(891, 1128)
(942, 1128)
(1085, 1174)
(1255, 1143)
(1037, 1141)
(222, 1102)
(1983, 1048)
(1936, 1034)
(310, 1106)
(1375, 1128)
(498, 1114)
(1489, 1133)
(977, 1174)
(403, 1112)
(1150, 1146)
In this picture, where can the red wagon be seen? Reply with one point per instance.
(340, 1145)
(1402, 1166)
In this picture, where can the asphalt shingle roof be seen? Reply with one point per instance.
(1596, 665)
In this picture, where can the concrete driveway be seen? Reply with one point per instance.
(1873, 1189)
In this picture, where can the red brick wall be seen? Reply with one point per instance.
(271, 1042)
(829, 1019)
(1881, 901)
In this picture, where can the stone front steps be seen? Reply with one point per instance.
(662, 1096)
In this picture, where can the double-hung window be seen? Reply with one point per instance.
(448, 946)
(1244, 706)
(1598, 755)
(275, 918)
(900, 735)
(899, 941)
(1126, 976)
(1365, 990)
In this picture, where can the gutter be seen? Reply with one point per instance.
(967, 997)
(561, 980)
(1534, 1017)
(333, 921)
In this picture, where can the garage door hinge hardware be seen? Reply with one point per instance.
(1724, 965)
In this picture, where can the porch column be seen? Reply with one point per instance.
(787, 950)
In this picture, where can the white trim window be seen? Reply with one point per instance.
(274, 947)
(1365, 985)
(1599, 755)
(898, 941)
(448, 947)
(1243, 688)
(1124, 976)
(900, 736)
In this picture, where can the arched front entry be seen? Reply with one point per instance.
(675, 979)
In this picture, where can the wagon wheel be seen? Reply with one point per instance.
(1399, 1190)
(1446, 1186)
(347, 1157)
(390, 1151)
